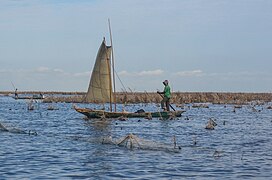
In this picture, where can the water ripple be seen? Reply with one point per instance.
(69, 147)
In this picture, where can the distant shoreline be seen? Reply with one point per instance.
(151, 97)
(44, 92)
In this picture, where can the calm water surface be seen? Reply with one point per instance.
(68, 147)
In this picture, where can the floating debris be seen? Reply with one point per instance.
(211, 124)
(180, 106)
(30, 106)
(255, 110)
(175, 143)
(217, 154)
(51, 108)
(122, 118)
(200, 106)
(238, 106)
(194, 140)
(140, 111)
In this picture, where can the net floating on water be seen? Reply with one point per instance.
(131, 141)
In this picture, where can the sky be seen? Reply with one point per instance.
(198, 45)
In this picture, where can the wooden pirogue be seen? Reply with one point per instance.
(91, 113)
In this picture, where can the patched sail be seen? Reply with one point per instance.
(100, 86)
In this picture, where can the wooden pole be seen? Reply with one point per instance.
(113, 73)
(169, 103)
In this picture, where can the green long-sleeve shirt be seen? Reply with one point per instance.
(167, 92)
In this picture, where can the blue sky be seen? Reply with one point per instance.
(198, 45)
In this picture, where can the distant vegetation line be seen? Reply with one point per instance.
(44, 92)
(151, 97)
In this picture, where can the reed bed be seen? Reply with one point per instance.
(151, 97)
(177, 98)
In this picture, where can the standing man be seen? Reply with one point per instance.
(167, 95)
(16, 94)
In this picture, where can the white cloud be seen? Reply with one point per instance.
(156, 72)
(42, 69)
(223, 75)
(239, 74)
(58, 70)
(124, 73)
(46, 70)
(190, 73)
(151, 73)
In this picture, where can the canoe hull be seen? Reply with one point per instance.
(92, 114)
(28, 98)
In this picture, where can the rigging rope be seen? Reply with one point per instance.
(120, 81)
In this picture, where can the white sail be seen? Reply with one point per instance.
(100, 86)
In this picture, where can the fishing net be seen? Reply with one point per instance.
(4, 128)
(131, 141)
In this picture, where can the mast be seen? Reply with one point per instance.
(113, 69)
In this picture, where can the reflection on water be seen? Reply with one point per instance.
(68, 146)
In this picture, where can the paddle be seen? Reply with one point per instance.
(169, 103)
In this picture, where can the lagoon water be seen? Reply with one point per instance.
(67, 146)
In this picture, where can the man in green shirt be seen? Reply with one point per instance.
(167, 95)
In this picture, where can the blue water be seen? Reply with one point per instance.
(67, 146)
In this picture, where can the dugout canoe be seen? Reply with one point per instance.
(92, 114)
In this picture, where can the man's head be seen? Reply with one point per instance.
(165, 82)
